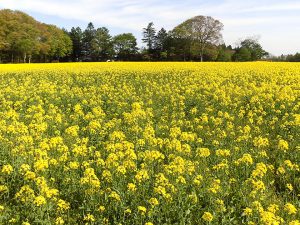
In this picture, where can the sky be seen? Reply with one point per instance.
(275, 22)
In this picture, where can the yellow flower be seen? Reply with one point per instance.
(127, 211)
(41, 165)
(7, 169)
(149, 223)
(246, 159)
(290, 208)
(24, 168)
(153, 202)
(142, 210)
(89, 218)
(26, 194)
(207, 216)
(115, 196)
(101, 208)
(203, 152)
(283, 145)
(261, 142)
(12, 220)
(29, 175)
(290, 187)
(260, 170)
(59, 221)
(223, 152)
(131, 187)
(247, 211)
(25, 223)
(74, 165)
(3, 188)
(270, 218)
(39, 200)
(62, 205)
(142, 175)
(273, 208)
(294, 222)
(72, 131)
(197, 180)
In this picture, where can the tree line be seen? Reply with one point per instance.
(23, 39)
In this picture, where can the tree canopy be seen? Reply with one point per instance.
(125, 46)
(22, 38)
(200, 31)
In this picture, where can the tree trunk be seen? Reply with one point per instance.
(12, 57)
(201, 52)
(29, 59)
(24, 60)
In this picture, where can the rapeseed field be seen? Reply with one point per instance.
(150, 143)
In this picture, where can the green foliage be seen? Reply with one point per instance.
(249, 50)
(224, 54)
(89, 35)
(242, 55)
(22, 38)
(149, 36)
(293, 58)
(125, 46)
(102, 45)
(76, 36)
(200, 31)
(256, 50)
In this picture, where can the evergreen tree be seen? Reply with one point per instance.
(76, 36)
(149, 36)
(102, 45)
(88, 37)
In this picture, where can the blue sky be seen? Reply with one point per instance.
(276, 22)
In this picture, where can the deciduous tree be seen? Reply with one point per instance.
(125, 46)
(203, 30)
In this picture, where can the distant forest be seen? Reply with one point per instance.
(25, 40)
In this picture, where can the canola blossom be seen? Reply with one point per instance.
(150, 143)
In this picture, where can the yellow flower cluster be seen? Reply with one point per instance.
(150, 143)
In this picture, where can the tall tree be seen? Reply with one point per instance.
(149, 36)
(59, 43)
(125, 46)
(160, 39)
(20, 34)
(76, 36)
(256, 50)
(203, 30)
(102, 45)
(22, 38)
(88, 37)
(160, 44)
(180, 46)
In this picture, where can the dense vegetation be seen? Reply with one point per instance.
(23, 39)
(150, 143)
